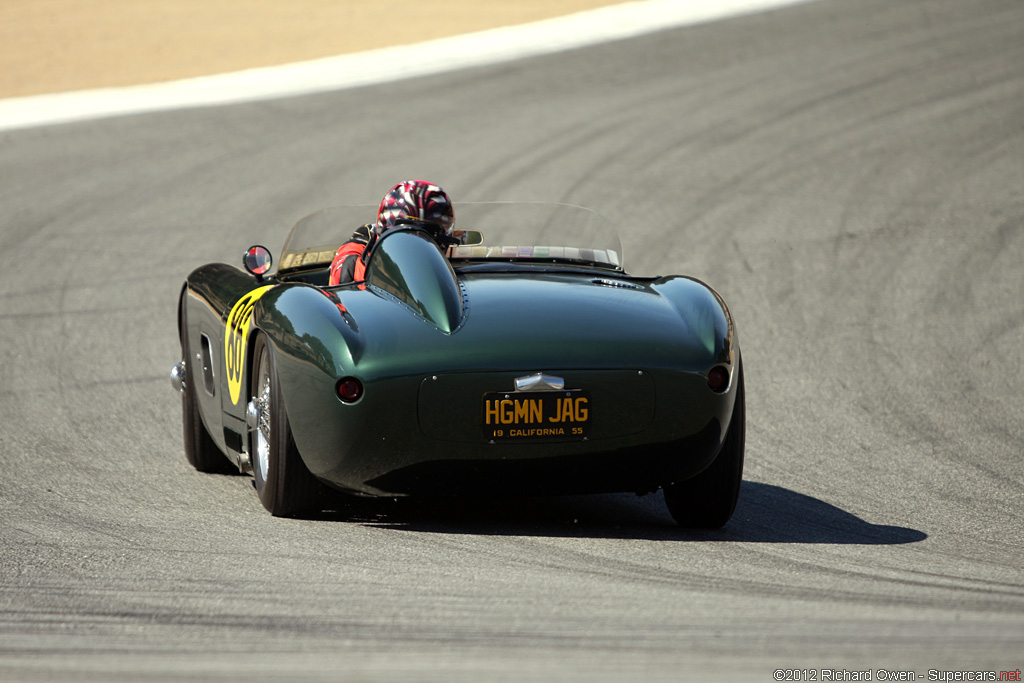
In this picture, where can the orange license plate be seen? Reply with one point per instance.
(536, 415)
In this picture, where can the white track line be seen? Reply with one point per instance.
(379, 66)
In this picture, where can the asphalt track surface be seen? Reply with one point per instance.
(848, 174)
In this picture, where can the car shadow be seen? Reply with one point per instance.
(765, 514)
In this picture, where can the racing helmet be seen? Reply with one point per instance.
(417, 199)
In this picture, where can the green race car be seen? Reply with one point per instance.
(517, 358)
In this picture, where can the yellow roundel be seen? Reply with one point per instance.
(236, 336)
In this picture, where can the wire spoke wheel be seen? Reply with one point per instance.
(262, 435)
(284, 484)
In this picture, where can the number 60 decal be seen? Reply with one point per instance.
(236, 336)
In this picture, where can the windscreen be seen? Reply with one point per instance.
(510, 231)
(538, 232)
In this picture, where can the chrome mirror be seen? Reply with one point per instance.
(467, 237)
(257, 260)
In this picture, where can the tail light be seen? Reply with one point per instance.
(718, 379)
(349, 389)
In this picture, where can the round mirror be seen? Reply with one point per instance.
(257, 260)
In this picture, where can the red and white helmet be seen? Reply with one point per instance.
(416, 199)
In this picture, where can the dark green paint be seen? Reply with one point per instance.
(641, 351)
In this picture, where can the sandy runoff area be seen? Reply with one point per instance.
(61, 45)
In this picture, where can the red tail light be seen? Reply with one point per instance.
(349, 389)
(718, 379)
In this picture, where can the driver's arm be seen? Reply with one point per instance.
(344, 263)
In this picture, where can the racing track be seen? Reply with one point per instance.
(850, 175)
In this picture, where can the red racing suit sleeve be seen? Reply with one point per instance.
(346, 266)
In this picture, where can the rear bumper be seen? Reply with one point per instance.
(406, 438)
(640, 469)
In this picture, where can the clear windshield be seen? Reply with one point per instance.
(511, 231)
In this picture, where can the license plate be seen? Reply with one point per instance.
(536, 415)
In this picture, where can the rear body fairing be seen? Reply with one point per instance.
(418, 427)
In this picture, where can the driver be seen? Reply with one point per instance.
(416, 199)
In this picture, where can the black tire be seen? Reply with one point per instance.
(284, 484)
(200, 449)
(708, 500)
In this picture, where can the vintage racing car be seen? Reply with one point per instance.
(519, 359)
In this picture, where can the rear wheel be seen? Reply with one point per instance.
(285, 487)
(708, 500)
